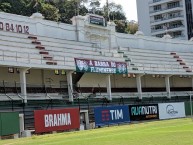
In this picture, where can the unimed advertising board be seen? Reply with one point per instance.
(111, 115)
(54, 120)
(143, 112)
(171, 110)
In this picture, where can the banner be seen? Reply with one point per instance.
(111, 115)
(54, 120)
(143, 112)
(96, 66)
(171, 110)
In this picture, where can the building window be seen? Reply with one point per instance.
(157, 27)
(157, 8)
(56, 71)
(63, 72)
(173, 5)
(158, 17)
(156, 1)
(177, 34)
(10, 69)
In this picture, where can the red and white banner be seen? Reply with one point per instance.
(54, 120)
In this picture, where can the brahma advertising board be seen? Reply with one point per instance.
(171, 110)
(55, 120)
(143, 112)
(111, 115)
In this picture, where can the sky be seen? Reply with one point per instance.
(129, 7)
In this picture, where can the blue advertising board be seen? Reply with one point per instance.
(111, 115)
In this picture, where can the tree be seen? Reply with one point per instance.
(5, 7)
(94, 7)
(13, 6)
(132, 27)
(117, 15)
(121, 26)
(50, 12)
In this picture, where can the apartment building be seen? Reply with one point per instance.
(160, 17)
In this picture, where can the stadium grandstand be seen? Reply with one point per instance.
(49, 65)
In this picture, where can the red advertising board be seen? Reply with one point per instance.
(55, 120)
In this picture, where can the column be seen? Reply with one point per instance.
(139, 90)
(70, 86)
(167, 82)
(79, 22)
(22, 73)
(108, 82)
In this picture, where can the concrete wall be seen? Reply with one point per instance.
(36, 77)
(118, 81)
(176, 81)
(144, 42)
(143, 16)
(148, 81)
(39, 27)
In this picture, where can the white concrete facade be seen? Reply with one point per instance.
(160, 17)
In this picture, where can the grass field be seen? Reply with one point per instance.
(168, 132)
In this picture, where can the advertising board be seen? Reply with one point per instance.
(171, 110)
(111, 115)
(55, 120)
(143, 112)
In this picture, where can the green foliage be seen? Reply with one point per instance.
(120, 26)
(132, 27)
(5, 7)
(50, 12)
(64, 10)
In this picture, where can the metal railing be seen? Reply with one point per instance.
(27, 58)
(167, 18)
(171, 27)
(153, 67)
(163, 9)
(154, 1)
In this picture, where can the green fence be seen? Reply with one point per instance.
(187, 108)
(9, 123)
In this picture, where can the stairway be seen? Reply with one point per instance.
(42, 51)
(181, 61)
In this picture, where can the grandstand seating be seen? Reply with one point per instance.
(44, 50)
(151, 61)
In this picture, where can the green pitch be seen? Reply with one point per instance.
(168, 132)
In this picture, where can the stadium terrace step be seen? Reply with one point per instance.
(173, 53)
(188, 70)
(185, 67)
(51, 63)
(48, 58)
(32, 37)
(40, 47)
(176, 56)
(182, 63)
(36, 42)
(179, 60)
(44, 52)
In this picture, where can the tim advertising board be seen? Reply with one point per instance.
(143, 112)
(54, 120)
(171, 110)
(111, 115)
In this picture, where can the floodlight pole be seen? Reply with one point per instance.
(107, 2)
